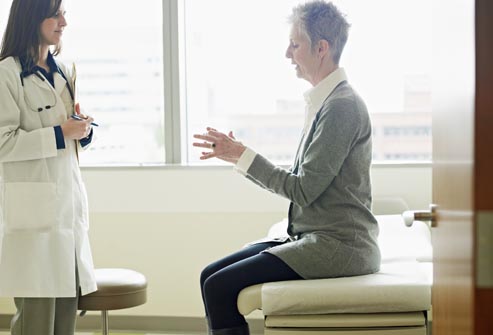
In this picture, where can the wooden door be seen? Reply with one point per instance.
(462, 167)
(483, 171)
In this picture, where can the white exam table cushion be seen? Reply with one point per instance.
(397, 287)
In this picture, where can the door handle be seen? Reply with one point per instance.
(428, 216)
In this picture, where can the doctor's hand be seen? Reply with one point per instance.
(77, 129)
(222, 146)
(78, 111)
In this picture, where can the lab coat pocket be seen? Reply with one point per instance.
(29, 206)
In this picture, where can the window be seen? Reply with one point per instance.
(119, 59)
(155, 72)
(237, 77)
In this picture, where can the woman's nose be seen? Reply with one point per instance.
(288, 52)
(63, 21)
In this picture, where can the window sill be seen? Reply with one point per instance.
(219, 166)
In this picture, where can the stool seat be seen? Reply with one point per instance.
(117, 289)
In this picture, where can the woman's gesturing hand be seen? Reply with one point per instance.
(222, 146)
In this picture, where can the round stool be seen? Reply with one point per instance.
(117, 289)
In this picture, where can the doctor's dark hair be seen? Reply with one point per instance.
(22, 36)
(321, 20)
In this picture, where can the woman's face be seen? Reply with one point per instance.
(299, 51)
(51, 29)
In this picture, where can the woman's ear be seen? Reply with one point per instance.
(323, 48)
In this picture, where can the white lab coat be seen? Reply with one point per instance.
(43, 202)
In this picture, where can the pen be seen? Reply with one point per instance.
(77, 117)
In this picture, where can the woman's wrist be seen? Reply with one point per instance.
(245, 160)
(241, 150)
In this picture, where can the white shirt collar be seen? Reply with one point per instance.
(316, 96)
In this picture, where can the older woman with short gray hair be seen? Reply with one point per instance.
(331, 231)
(322, 21)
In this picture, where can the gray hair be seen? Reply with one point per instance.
(320, 20)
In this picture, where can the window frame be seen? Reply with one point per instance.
(174, 138)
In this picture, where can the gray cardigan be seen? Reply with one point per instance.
(333, 231)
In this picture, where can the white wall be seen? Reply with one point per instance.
(170, 222)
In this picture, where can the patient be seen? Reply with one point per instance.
(332, 232)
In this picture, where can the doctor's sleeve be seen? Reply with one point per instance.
(86, 141)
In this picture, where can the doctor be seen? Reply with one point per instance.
(45, 257)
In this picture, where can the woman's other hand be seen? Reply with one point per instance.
(222, 146)
(77, 129)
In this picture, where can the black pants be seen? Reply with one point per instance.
(222, 281)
